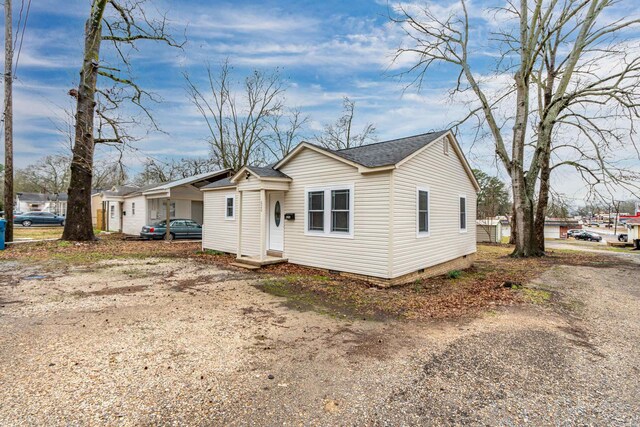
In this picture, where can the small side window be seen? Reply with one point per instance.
(133, 208)
(230, 207)
(463, 213)
(423, 212)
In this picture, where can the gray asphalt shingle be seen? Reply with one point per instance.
(387, 153)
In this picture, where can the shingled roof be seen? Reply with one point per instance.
(225, 182)
(387, 153)
(266, 172)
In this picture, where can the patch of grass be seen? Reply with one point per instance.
(210, 252)
(64, 244)
(454, 274)
(36, 232)
(535, 296)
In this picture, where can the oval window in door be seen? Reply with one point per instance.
(276, 214)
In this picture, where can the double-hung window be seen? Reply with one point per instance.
(315, 204)
(339, 211)
(133, 208)
(329, 211)
(230, 207)
(463, 214)
(422, 203)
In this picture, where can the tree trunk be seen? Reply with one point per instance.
(512, 221)
(543, 195)
(78, 225)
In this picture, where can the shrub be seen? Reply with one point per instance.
(454, 274)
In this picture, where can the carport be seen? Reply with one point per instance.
(181, 198)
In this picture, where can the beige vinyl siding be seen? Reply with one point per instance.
(367, 252)
(447, 180)
(250, 223)
(219, 233)
(132, 224)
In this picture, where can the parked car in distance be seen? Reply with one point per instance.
(587, 235)
(14, 213)
(28, 219)
(623, 237)
(594, 224)
(573, 232)
(178, 229)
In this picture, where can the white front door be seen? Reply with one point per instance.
(276, 222)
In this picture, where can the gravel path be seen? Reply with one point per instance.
(177, 342)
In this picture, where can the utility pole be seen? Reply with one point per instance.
(8, 121)
(615, 231)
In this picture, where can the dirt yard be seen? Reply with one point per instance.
(158, 334)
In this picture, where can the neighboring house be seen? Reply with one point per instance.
(41, 202)
(556, 228)
(107, 207)
(387, 212)
(127, 208)
(489, 230)
(633, 227)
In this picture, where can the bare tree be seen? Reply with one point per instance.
(285, 132)
(156, 171)
(340, 135)
(542, 29)
(238, 119)
(49, 174)
(582, 94)
(125, 23)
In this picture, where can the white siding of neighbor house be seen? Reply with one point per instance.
(132, 224)
(367, 252)
(219, 233)
(447, 180)
(551, 231)
(113, 221)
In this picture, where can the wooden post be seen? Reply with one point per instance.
(239, 216)
(263, 225)
(8, 121)
(168, 234)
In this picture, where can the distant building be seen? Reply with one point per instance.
(41, 202)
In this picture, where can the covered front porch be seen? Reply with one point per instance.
(260, 216)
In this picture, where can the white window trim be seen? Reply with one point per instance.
(327, 211)
(466, 213)
(419, 233)
(226, 198)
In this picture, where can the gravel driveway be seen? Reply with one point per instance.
(157, 341)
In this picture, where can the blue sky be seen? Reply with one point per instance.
(325, 50)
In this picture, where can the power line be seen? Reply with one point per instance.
(24, 27)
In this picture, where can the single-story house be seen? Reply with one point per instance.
(489, 230)
(106, 207)
(41, 202)
(127, 208)
(633, 230)
(557, 228)
(388, 212)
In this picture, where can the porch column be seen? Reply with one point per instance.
(239, 216)
(167, 236)
(263, 225)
